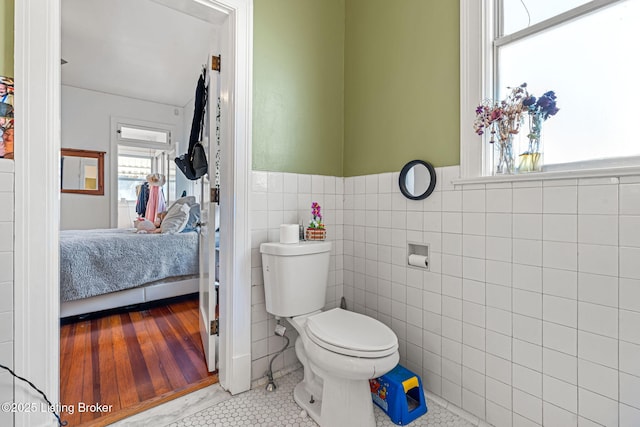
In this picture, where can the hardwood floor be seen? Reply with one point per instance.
(131, 361)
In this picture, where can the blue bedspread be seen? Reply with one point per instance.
(96, 262)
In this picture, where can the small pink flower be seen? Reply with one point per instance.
(316, 222)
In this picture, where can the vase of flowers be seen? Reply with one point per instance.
(503, 156)
(502, 121)
(539, 110)
(316, 229)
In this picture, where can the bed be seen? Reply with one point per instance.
(103, 269)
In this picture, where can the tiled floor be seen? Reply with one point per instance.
(261, 408)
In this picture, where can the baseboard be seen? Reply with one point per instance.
(278, 374)
(467, 416)
(241, 366)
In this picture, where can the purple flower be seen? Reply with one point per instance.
(499, 119)
(551, 110)
(543, 102)
(315, 210)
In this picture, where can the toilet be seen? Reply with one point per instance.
(340, 350)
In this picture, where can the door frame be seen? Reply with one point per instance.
(37, 199)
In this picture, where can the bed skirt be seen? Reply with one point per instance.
(161, 289)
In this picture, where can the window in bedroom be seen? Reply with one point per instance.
(132, 171)
(133, 133)
(142, 148)
(134, 164)
(584, 51)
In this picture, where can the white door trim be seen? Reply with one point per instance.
(473, 153)
(236, 76)
(37, 203)
(37, 200)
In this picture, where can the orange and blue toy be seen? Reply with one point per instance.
(399, 394)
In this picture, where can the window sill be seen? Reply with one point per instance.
(554, 175)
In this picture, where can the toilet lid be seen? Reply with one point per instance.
(352, 334)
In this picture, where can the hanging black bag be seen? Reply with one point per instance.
(194, 164)
(199, 160)
(184, 164)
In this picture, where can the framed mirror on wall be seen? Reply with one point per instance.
(417, 180)
(82, 171)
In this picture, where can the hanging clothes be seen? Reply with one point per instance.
(143, 199)
(156, 203)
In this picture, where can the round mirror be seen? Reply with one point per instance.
(417, 180)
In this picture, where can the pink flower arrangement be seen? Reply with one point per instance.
(316, 222)
(502, 117)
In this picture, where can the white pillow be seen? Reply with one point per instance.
(189, 200)
(176, 219)
(194, 214)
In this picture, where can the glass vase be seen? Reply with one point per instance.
(532, 159)
(503, 156)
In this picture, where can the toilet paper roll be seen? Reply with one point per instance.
(289, 233)
(418, 260)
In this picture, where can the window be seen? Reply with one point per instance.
(133, 133)
(132, 171)
(142, 148)
(582, 50)
(519, 15)
(134, 164)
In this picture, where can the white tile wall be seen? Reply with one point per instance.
(6, 284)
(530, 311)
(285, 198)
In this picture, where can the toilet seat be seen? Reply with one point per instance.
(351, 334)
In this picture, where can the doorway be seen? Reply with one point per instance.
(141, 71)
(36, 310)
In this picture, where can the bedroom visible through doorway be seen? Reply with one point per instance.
(37, 201)
(148, 106)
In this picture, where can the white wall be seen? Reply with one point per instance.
(285, 198)
(182, 145)
(6, 285)
(530, 314)
(86, 125)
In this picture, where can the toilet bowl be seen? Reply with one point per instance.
(340, 351)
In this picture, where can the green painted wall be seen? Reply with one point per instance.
(402, 84)
(345, 87)
(298, 86)
(6, 38)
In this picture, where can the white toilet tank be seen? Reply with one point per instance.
(295, 277)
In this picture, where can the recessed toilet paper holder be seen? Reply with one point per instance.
(418, 255)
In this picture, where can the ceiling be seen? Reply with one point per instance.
(136, 48)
